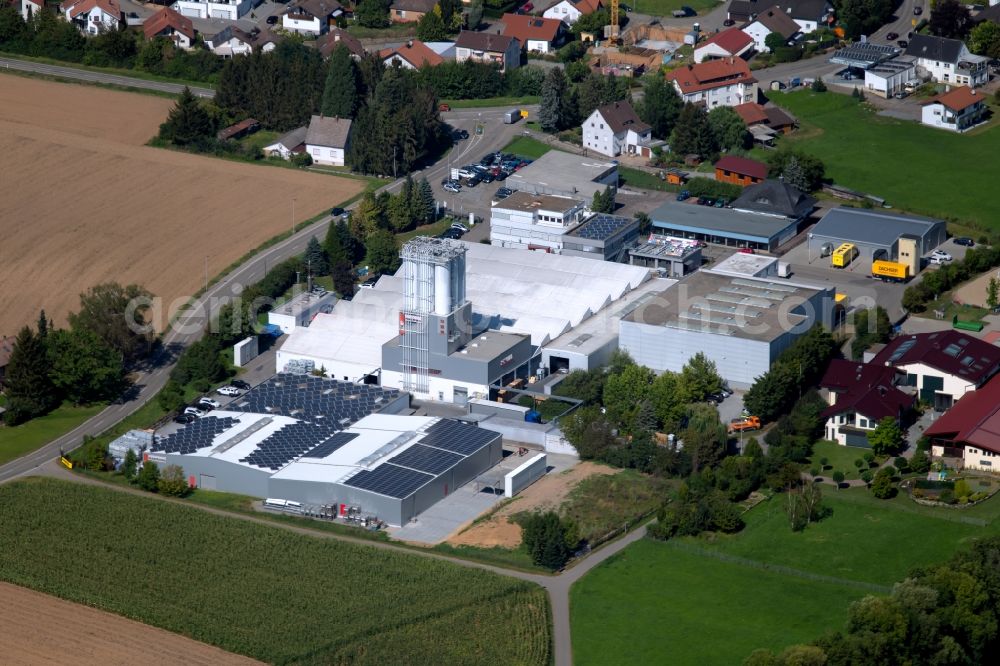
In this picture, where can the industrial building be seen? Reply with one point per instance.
(742, 324)
(565, 175)
(531, 221)
(676, 257)
(332, 444)
(521, 302)
(602, 236)
(902, 238)
(300, 309)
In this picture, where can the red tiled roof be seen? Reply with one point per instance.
(167, 18)
(414, 52)
(752, 113)
(732, 40)
(975, 419)
(587, 6)
(957, 99)
(108, 6)
(742, 165)
(867, 389)
(525, 27)
(711, 74)
(951, 352)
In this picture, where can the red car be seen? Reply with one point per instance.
(746, 250)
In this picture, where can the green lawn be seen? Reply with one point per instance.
(865, 539)
(488, 102)
(915, 168)
(657, 604)
(664, 7)
(946, 303)
(132, 73)
(838, 458)
(525, 146)
(631, 177)
(25, 438)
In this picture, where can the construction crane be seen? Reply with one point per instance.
(613, 36)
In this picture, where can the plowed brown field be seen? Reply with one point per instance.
(83, 201)
(38, 629)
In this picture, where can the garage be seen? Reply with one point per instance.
(876, 234)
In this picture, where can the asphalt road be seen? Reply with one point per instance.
(99, 77)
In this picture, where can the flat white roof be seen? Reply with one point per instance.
(743, 264)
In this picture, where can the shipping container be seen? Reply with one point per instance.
(512, 117)
(843, 255)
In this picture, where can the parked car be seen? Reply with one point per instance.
(720, 203)
(337, 212)
(453, 234)
(892, 36)
(185, 417)
(937, 261)
(965, 241)
(444, 107)
(902, 94)
(504, 192)
(208, 402)
(461, 227)
(486, 177)
(729, 22)
(194, 411)
(941, 254)
(271, 20)
(918, 10)
(716, 398)
(746, 250)
(466, 172)
(903, 43)
(240, 384)
(228, 390)
(452, 187)
(683, 195)
(459, 135)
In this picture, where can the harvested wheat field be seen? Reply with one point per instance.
(38, 629)
(545, 494)
(83, 201)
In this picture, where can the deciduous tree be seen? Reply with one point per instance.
(172, 482)
(660, 105)
(117, 315)
(383, 253)
(729, 129)
(950, 18)
(82, 367)
(887, 437)
(984, 39)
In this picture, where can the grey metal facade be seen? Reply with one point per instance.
(229, 477)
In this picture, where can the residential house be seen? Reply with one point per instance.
(327, 140)
(311, 17)
(6, 349)
(771, 20)
(991, 13)
(93, 17)
(31, 8)
(775, 198)
(231, 10)
(808, 14)
(971, 429)
(945, 60)
(409, 11)
(570, 11)
(731, 42)
(536, 35)
(860, 395)
(724, 82)
(958, 110)
(414, 54)
(326, 43)
(942, 366)
(740, 171)
(168, 23)
(772, 117)
(232, 41)
(502, 50)
(614, 129)
(289, 144)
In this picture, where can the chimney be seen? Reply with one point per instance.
(409, 44)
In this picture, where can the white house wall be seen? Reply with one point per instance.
(981, 459)
(326, 155)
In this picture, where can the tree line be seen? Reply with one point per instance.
(84, 363)
(45, 34)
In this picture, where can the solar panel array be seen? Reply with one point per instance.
(444, 445)
(280, 448)
(331, 445)
(457, 437)
(602, 226)
(196, 435)
(314, 399)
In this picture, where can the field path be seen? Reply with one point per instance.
(36, 628)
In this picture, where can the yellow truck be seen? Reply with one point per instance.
(843, 255)
(890, 271)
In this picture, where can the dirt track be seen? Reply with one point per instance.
(38, 629)
(83, 201)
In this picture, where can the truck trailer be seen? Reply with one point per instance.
(890, 271)
(512, 116)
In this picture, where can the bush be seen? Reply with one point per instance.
(859, 463)
(838, 477)
(902, 464)
(149, 476)
(920, 462)
(947, 496)
(814, 471)
(866, 476)
(962, 489)
(549, 540)
(172, 482)
(881, 486)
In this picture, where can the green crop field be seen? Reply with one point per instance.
(262, 591)
(657, 604)
(915, 168)
(765, 586)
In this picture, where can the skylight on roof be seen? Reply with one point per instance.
(952, 350)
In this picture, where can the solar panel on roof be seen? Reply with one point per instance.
(329, 446)
(390, 480)
(457, 437)
(426, 459)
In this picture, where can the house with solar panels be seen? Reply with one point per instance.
(328, 443)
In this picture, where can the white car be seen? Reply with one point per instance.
(228, 390)
(193, 411)
(941, 254)
(461, 227)
(214, 404)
